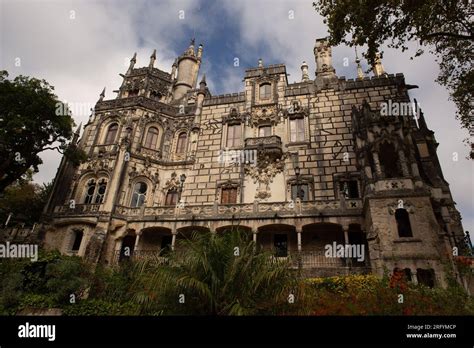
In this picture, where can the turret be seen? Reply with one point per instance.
(188, 68)
(323, 57)
(304, 72)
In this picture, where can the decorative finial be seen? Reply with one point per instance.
(152, 59)
(360, 72)
(304, 72)
(132, 63)
(102, 95)
(78, 130)
(199, 52)
(377, 67)
(203, 80)
(260, 63)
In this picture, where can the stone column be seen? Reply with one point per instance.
(173, 240)
(414, 277)
(298, 236)
(137, 240)
(346, 241)
(378, 169)
(403, 163)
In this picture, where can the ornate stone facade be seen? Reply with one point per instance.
(329, 168)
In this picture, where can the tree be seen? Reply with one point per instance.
(215, 274)
(24, 200)
(30, 124)
(444, 27)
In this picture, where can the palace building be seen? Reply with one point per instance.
(298, 166)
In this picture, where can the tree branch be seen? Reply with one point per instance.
(453, 35)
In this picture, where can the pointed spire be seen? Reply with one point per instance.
(102, 95)
(377, 67)
(132, 63)
(304, 72)
(260, 63)
(152, 59)
(78, 130)
(360, 72)
(203, 83)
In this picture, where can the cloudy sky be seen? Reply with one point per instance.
(81, 46)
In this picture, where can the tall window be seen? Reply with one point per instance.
(296, 130)
(303, 193)
(111, 134)
(265, 131)
(78, 234)
(403, 223)
(349, 189)
(265, 91)
(181, 145)
(151, 138)
(90, 190)
(229, 195)
(99, 197)
(171, 197)
(389, 161)
(139, 194)
(233, 135)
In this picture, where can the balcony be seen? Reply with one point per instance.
(267, 146)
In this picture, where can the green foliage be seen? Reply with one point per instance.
(29, 124)
(25, 200)
(218, 274)
(444, 27)
(97, 307)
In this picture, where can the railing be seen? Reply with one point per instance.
(263, 209)
(103, 149)
(78, 209)
(309, 259)
(270, 145)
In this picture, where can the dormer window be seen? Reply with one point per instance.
(265, 91)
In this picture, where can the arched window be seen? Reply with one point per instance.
(78, 234)
(403, 223)
(389, 161)
(151, 139)
(99, 197)
(181, 145)
(90, 190)
(111, 134)
(265, 91)
(139, 194)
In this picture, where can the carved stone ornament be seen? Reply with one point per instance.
(263, 174)
(172, 184)
(265, 114)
